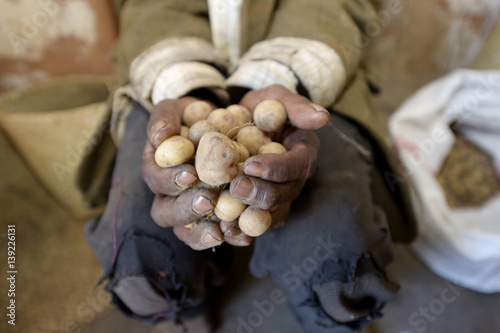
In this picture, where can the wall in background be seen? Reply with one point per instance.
(47, 38)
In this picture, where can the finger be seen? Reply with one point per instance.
(233, 234)
(190, 206)
(279, 214)
(302, 113)
(203, 235)
(166, 119)
(167, 181)
(264, 194)
(298, 162)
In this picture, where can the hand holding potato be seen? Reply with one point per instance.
(264, 181)
(179, 198)
(271, 180)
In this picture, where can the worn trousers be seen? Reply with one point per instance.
(329, 257)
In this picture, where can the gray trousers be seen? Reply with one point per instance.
(329, 257)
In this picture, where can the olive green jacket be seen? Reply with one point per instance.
(304, 45)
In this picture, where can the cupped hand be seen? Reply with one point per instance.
(269, 180)
(272, 180)
(302, 113)
(178, 202)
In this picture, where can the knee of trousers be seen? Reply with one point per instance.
(153, 277)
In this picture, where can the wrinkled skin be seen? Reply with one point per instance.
(269, 180)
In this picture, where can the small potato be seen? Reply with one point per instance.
(223, 119)
(227, 207)
(200, 128)
(196, 111)
(252, 138)
(241, 114)
(244, 153)
(184, 131)
(174, 151)
(217, 159)
(272, 148)
(270, 115)
(254, 221)
(200, 184)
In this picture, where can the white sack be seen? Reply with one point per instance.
(462, 245)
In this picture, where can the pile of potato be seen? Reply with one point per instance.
(220, 141)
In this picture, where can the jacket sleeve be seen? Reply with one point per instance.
(164, 51)
(316, 44)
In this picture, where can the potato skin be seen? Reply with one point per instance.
(244, 153)
(200, 128)
(174, 151)
(272, 148)
(241, 114)
(252, 138)
(216, 159)
(195, 111)
(228, 208)
(223, 119)
(184, 131)
(270, 115)
(254, 221)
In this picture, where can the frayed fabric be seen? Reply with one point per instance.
(331, 254)
(329, 257)
(150, 274)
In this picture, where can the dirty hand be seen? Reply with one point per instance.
(176, 203)
(271, 180)
(275, 180)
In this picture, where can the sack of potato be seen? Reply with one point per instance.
(218, 143)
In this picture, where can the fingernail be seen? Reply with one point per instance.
(184, 179)
(225, 227)
(209, 240)
(202, 205)
(244, 189)
(244, 242)
(319, 108)
(233, 231)
(256, 169)
(157, 128)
